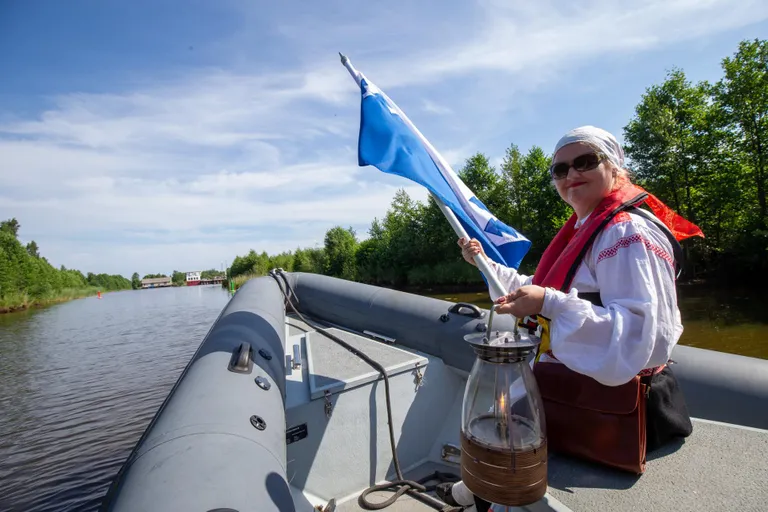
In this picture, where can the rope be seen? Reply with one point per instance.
(414, 489)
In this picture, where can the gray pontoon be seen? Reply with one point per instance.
(271, 414)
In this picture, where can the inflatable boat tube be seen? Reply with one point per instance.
(218, 441)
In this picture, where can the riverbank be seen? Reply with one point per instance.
(21, 301)
(239, 280)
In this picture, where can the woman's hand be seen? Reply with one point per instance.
(525, 301)
(469, 248)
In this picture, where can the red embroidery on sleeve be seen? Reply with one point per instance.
(626, 241)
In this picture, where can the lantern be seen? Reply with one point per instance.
(503, 430)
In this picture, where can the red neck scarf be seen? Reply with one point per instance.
(559, 262)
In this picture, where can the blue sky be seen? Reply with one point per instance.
(155, 135)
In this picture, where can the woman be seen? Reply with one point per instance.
(604, 290)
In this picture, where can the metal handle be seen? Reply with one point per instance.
(490, 322)
(476, 311)
(515, 328)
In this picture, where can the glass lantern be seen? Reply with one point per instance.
(503, 430)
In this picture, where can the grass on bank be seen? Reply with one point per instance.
(20, 301)
(241, 279)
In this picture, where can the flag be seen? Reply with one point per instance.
(390, 142)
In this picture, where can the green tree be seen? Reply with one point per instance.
(401, 247)
(479, 176)
(743, 95)
(178, 278)
(340, 245)
(135, 281)
(681, 152)
(664, 141)
(309, 260)
(10, 226)
(516, 186)
(33, 250)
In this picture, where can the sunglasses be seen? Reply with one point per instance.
(581, 163)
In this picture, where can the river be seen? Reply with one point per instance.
(80, 381)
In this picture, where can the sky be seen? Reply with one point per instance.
(152, 136)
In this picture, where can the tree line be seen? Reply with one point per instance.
(27, 277)
(702, 148)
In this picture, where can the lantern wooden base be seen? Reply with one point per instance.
(505, 477)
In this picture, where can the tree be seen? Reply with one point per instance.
(516, 187)
(10, 226)
(135, 281)
(479, 175)
(178, 278)
(682, 151)
(402, 247)
(309, 260)
(340, 245)
(743, 94)
(211, 273)
(664, 141)
(33, 250)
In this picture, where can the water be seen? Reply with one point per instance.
(79, 383)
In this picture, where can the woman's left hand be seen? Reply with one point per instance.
(526, 300)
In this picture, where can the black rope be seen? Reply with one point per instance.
(401, 486)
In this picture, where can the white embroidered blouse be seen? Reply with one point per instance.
(631, 264)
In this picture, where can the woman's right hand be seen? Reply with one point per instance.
(470, 248)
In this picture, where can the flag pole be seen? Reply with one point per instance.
(481, 262)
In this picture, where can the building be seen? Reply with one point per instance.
(193, 278)
(156, 282)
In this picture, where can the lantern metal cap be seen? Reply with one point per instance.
(502, 344)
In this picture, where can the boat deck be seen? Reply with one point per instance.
(719, 467)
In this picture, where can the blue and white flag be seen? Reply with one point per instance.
(390, 142)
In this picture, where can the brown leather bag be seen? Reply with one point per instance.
(589, 420)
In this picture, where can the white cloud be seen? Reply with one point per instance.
(123, 180)
(434, 108)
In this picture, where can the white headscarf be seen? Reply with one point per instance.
(598, 137)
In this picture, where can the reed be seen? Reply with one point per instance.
(22, 300)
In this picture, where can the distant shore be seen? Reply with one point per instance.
(22, 301)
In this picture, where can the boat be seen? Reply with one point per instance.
(282, 408)
(193, 278)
